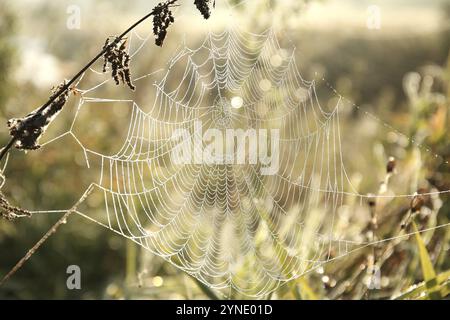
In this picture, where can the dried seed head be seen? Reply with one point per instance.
(162, 19)
(29, 130)
(390, 167)
(117, 57)
(420, 199)
(417, 203)
(204, 6)
(371, 200)
(425, 198)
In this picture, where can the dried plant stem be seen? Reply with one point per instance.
(47, 235)
(374, 259)
(64, 88)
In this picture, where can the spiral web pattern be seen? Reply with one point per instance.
(228, 225)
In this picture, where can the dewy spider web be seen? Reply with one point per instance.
(226, 224)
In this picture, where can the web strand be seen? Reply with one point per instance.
(226, 224)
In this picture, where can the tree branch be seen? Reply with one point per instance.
(64, 88)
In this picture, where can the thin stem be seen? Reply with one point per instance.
(64, 88)
(7, 147)
(47, 235)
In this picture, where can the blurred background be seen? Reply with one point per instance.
(388, 57)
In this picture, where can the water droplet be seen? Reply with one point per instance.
(265, 85)
(237, 102)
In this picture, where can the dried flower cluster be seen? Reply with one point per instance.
(421, 198)
(117, 57)
(204, 6)
(28, 130)
(162, 19)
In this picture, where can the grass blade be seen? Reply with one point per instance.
(429, 274)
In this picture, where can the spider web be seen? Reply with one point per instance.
(227, 225)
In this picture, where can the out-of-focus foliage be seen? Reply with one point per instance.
(403, 78)
(7, 55)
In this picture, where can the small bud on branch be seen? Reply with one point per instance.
(371, 200)
(390, 166)
(416, 203)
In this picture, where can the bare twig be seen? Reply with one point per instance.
(49, 233)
